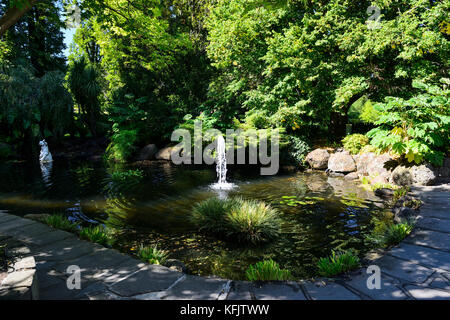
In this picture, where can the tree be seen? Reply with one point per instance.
(15, 11)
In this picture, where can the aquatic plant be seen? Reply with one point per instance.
(59, 221)
(237, 219)
(337, 263)
(97, 234)
(293, 201)
(152, 255)
(252, 221)
(395, 233)
(267, 270)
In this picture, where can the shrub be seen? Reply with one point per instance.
(418, 128)
(237, 219)
(152, 255)
(395, 233)
(369, 148)
(59, 221)
(267, 270)
(338, 263)
(97, 234)
(296, 150)
(355, 142)
(400, 192)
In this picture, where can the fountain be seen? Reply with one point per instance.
(45, 155)
(221, 166)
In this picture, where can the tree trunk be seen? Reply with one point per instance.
(13, 14)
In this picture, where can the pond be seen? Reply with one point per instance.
(319, 213)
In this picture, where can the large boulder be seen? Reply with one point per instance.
(166, 153)
(341, 162)
(423, 175)
(362, 161)
(318, 159)
(381, 166)
(401, 176)
(147, 153)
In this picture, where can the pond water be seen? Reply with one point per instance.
(154, 208)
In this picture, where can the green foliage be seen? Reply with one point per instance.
(84, 83)
(355, 142)
(417, 128)
(152, 255)
(267, 270)
(400, 192)
(33, 108)
(123, 144)
(394, 233)
(337, 263)
(59, 221)
(236, 219)
(369, 148)
(97, 234)
(362, 111)
(297, 149)
(293, 201)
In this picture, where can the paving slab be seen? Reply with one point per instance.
(423, 256)
(405, 270)
(8, 227)
(123, 270)
(435, 224)
(433, 239)
(94, 265)
(151, 279)
(65, 250)
(425, 293)
(196, 288)
(240, 290)
(278, 291)
(329, 291)
(389, 288)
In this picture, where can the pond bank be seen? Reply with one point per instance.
(418, 268)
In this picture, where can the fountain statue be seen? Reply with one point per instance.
(46, 162)
(45, 155)
(221, 166)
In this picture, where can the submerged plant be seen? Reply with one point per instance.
(59, 221)
(152, 255)
(337, 263)
(237, 219)
(267, 270)
(97, 234)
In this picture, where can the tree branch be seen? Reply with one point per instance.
(13, 14)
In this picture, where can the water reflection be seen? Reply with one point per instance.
(152, 205)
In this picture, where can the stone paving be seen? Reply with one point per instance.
(418, 268)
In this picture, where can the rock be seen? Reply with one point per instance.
(176, 265)
(401, 176)
(351, 176)
(380, 166)
(442, 172)
(384, 193)
(341, 162)
(164, 153)
(379, 180)
(147, 153)
(423, 175)
(318, 159)
(335, 174)
(403, 214)
(362, 162)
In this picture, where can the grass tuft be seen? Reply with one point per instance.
(97, 234)
(59, 221)
(267, 270)
(395, 233)
(236, 219)
(152, 255)
(337, 263)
